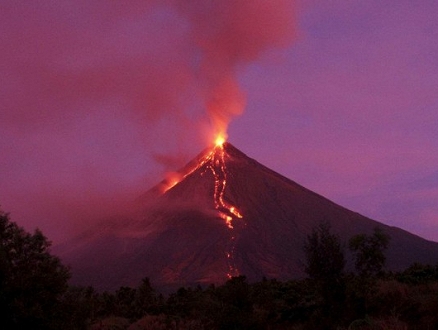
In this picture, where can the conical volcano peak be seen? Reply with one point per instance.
(219, 148)
(224, 214)
(214, 156)
(213, 161)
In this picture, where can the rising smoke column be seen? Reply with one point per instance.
(230, 34)
(91, 89)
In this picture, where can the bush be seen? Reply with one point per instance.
(31, 279)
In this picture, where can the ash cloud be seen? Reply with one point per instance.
(91, 91)
(230, 34)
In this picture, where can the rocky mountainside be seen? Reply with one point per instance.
(222, 215)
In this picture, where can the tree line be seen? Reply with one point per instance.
(35, 294)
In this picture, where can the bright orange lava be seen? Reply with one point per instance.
(219, 170)
(215, 162)
(220, 140)
(227, 211)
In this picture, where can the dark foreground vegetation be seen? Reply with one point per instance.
(34, 293)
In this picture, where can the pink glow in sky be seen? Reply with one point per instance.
(98, 99)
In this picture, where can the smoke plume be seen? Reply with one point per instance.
(230, 34)
(94, 94)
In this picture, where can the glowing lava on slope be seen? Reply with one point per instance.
(214, 161)
(227, 211)
(219, 170)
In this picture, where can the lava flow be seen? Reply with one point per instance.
(227, 211)
(215, 162)
(219, 170)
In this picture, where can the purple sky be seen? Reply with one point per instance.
(98, 100)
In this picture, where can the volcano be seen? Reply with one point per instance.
(222, 215)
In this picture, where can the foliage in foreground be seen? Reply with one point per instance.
(269, 304)
(34, 293)
(31, 279)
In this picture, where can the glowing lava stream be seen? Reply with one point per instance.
(226, 211)
(217, 167)
(215, 162)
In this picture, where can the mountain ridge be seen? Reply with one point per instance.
(190, 232)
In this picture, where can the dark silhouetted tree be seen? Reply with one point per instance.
(31, 279)
(369, 256)
(236, 310)
(325, 262)
(419, 274)
(369, 259)
(146, 299)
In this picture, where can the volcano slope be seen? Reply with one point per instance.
(228, 215)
